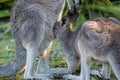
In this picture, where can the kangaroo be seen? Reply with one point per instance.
(96, 38)
(31, 24)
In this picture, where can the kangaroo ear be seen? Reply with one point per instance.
(73, 15)
(65, 21)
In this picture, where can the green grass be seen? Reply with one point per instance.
(5, 13)
(88, 9)
(6, 50)
(57, 59)
(3, 1)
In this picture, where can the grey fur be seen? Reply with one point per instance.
(31, 24)
(97, 38)
(114, 20)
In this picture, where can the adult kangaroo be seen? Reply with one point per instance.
(97, 38)
(31, 24)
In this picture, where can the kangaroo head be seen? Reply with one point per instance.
(60, 28)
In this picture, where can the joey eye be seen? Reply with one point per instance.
(54, 28)
(62, 24)
(63, 21)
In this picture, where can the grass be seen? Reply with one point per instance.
(88, 9)
(6, 50)
(57, 59)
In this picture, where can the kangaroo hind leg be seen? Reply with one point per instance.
(114, 60)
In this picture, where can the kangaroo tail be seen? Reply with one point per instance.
(18, 63)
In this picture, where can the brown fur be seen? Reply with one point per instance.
(96, 38)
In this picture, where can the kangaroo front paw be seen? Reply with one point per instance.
(71, 77)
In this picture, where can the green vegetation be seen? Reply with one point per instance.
(98, 8)
(88, 9)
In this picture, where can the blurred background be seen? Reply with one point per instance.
(88, 9)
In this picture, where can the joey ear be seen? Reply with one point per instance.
(73, 16)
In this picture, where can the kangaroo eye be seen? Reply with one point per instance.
(63, 21)
(54, 28)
